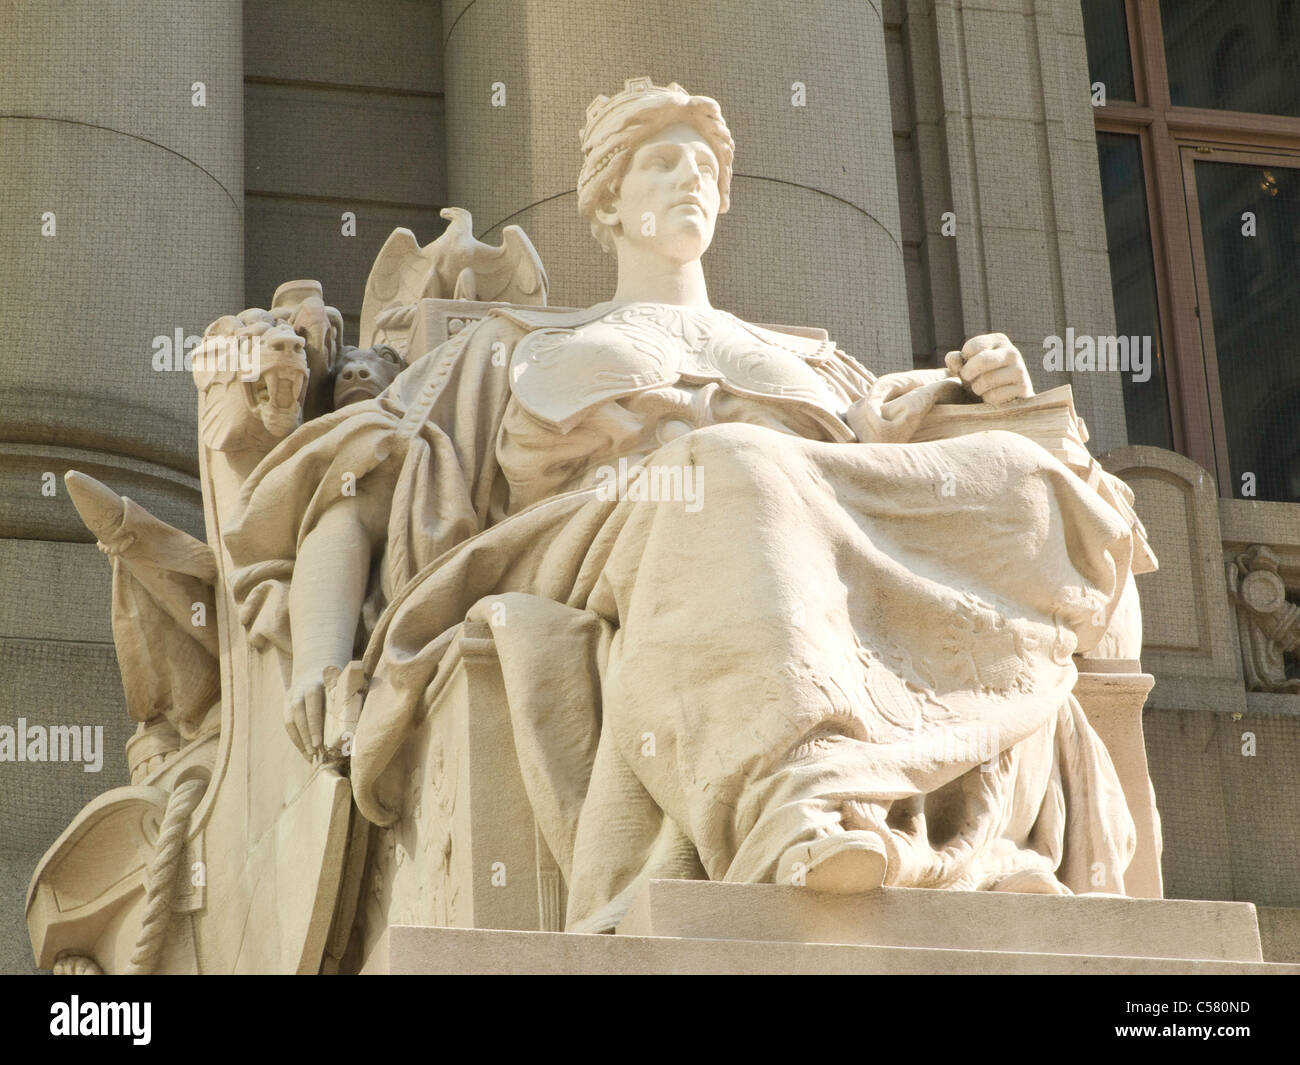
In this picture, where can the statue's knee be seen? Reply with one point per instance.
(1123, 635)
(1017, 450)
(731, 446)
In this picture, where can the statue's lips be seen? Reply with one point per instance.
(689, 203)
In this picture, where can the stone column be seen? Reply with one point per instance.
(121, 189)
(812, 237)
(1004, 140)
(122, 180)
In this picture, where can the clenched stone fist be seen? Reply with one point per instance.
(990, 367)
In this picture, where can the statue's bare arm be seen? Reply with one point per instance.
(325, 597)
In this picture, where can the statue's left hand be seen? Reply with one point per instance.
(990, 367)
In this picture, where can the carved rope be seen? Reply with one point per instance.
(161, 891)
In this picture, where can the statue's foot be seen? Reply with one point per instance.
(1031, 882)
(847, 863)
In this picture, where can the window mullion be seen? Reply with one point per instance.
(1185, 371)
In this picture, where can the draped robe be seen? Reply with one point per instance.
(848, 632)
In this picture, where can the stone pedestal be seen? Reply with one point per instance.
(995, 921)
(481, 862)
(1113, 692)
(701, 927)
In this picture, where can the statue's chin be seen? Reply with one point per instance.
(681, 242)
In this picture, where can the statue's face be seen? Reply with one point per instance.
(278, 391)
(668, 198)
(365, 372)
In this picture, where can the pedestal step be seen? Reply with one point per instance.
(950, 920)
(697, 926)
(409, 949)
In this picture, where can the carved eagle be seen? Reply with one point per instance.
(455, 266)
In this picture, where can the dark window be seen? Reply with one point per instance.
(1109, 61)
(1254, 292)
(1133, 283)
(1233, 56)
(1212, 132)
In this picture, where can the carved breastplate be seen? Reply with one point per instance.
(558, 373)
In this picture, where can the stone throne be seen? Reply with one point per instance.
(231, 853)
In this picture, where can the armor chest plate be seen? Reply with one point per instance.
(558, 373)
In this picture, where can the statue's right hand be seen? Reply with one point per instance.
(304, 714)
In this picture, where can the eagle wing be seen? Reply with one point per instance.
(399, 276)
(512, 273)
(405, 273)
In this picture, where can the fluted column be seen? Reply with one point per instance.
(812, 237)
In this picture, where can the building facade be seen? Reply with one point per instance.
(910, 173)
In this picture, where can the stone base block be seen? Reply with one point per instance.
(411, 950)
(691, 926)
(1279, 933)
(949, 920)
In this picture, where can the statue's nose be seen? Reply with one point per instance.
(356, 373)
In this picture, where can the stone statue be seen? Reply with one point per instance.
(864, 618)
(744, 627)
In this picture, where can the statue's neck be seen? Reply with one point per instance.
(646, 279)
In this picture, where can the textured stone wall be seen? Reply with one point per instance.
(343, 112)
(1223, 760)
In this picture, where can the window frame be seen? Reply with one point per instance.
(1167, 137)
(1190, 155)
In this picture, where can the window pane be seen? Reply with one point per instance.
(1109, 62)
(1255, 294)
(1234, 56)
(1133, 283)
